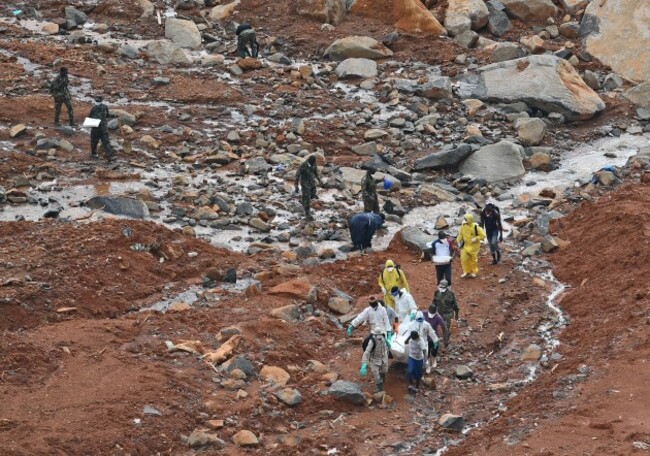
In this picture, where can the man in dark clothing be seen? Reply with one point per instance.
(445, 301)
(437, 323)
(369, 192)
(247, 45)
(491, 223)
(61, 93)
(442, 249)
(362, 228)
(100, 133)
(306, 176)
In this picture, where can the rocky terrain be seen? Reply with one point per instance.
(146, 304)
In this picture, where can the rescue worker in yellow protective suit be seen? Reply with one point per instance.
(469, 239)
(392, 276)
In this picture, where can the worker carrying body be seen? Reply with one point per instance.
(377, 317)
(376, 355)
(469, 239)
(392, 276)
(427, 333)
(405, 306)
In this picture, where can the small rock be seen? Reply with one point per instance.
(289, 396)
(347, 391)
(452, 422)
(275, 374)
(532, 353)
(17, 130)
(339, 305)
(463, 372)
(245, 438)
(202, 437)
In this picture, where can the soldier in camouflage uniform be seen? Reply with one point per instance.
(369, 192)
(306, 176)
(247, 45)
(445, 301)
(61, 94)
(100, 133)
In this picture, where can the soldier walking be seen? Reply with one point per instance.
(61, 93)
(369, 192)
(100, 133)
(306, 176)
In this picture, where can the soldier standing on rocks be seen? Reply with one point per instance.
(61, 93)
(100, 133)
(444, 300)
(369, 192)
(247, 45)
(306, 177)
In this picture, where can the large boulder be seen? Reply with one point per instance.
(475, 10)
(166, 53)
(74, 16)
(530, 10)
(407, 15)
(415, 238)
(347, 391)
(297, 289)
(495, 163)
(640, 95)
(118, 205)
(618, 34)
(361, 47)
(545, 82)
(329, 11)
(449, 157)
(183, 33)
(356, 68)
(223, 12)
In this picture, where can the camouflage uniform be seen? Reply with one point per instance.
(447, 307)
(246, 39)
(100, 133)
(61, 94)
(307, 175)
(369, 194)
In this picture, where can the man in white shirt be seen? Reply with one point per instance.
(404, 304)
(443, 248)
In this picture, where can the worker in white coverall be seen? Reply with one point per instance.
(376, 355)
(404, 304)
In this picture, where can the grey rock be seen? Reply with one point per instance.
(530, 132)
(498, 22)
(570, 29)
(118, 205)
(456, 24)
(463, 372)
(452, 422)
(542, 81)
(592, 79)
(368, 148)
(415, 238)
(257, 165)
(356, 68)
(450, 156)
(183, 33)
(612, 81)
(347, 391)
(435, 88)
(202, 437)
(289, 396)
(640, 95)
(495, 163)
(166, 53)
(505, 51)
(362, 47)
(150, 411)
(280, 58)
(75, 16)
(475, 10)
(549, 244)
(128, 51)
(530, 10)
(467, 39)
(243, 364)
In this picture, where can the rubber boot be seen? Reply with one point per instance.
(494, 258)
(498, 257)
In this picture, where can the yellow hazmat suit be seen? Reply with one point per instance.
(470, 237)
(390, 277)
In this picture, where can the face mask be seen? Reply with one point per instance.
(374, 306)
(390, 269)
(442, 290)
(430, 314)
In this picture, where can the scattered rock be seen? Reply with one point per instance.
(407, 15)
(245, 438)
(50, 28)
(202, 437)
(17, 130)
(640, 95)
(549, 244)
(289, 396)
(498, 22)
(540, 161)
(223, 12)
(530, 10)
(166, 53)
(530, 132)
(74, 16)
(532, 353)
(452, 422)
(475, 10)
(183, 33)
(275, 374)
(129, 207)
(339, 305)
(415, 238)
(296, 289)
(286, 313)
(347, 391)
(325, 11)
(249, 64)
(505, 51)
(449, 157)
(463, 372)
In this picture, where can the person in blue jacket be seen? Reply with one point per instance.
(362, 228)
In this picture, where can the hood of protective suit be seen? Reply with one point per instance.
(390, 264)
(419, 316)
(469, 219)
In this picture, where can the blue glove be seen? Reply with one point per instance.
(364, 370)
(412, 316)
(350, 328)
(389, 336)
(435, 345)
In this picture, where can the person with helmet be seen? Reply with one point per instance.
(61, 94)
(247, 45)
(469, 239)
(392, 276)
(376, 355)
(404, 303)
(428, 335)
(491, 223)
(306, 177)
